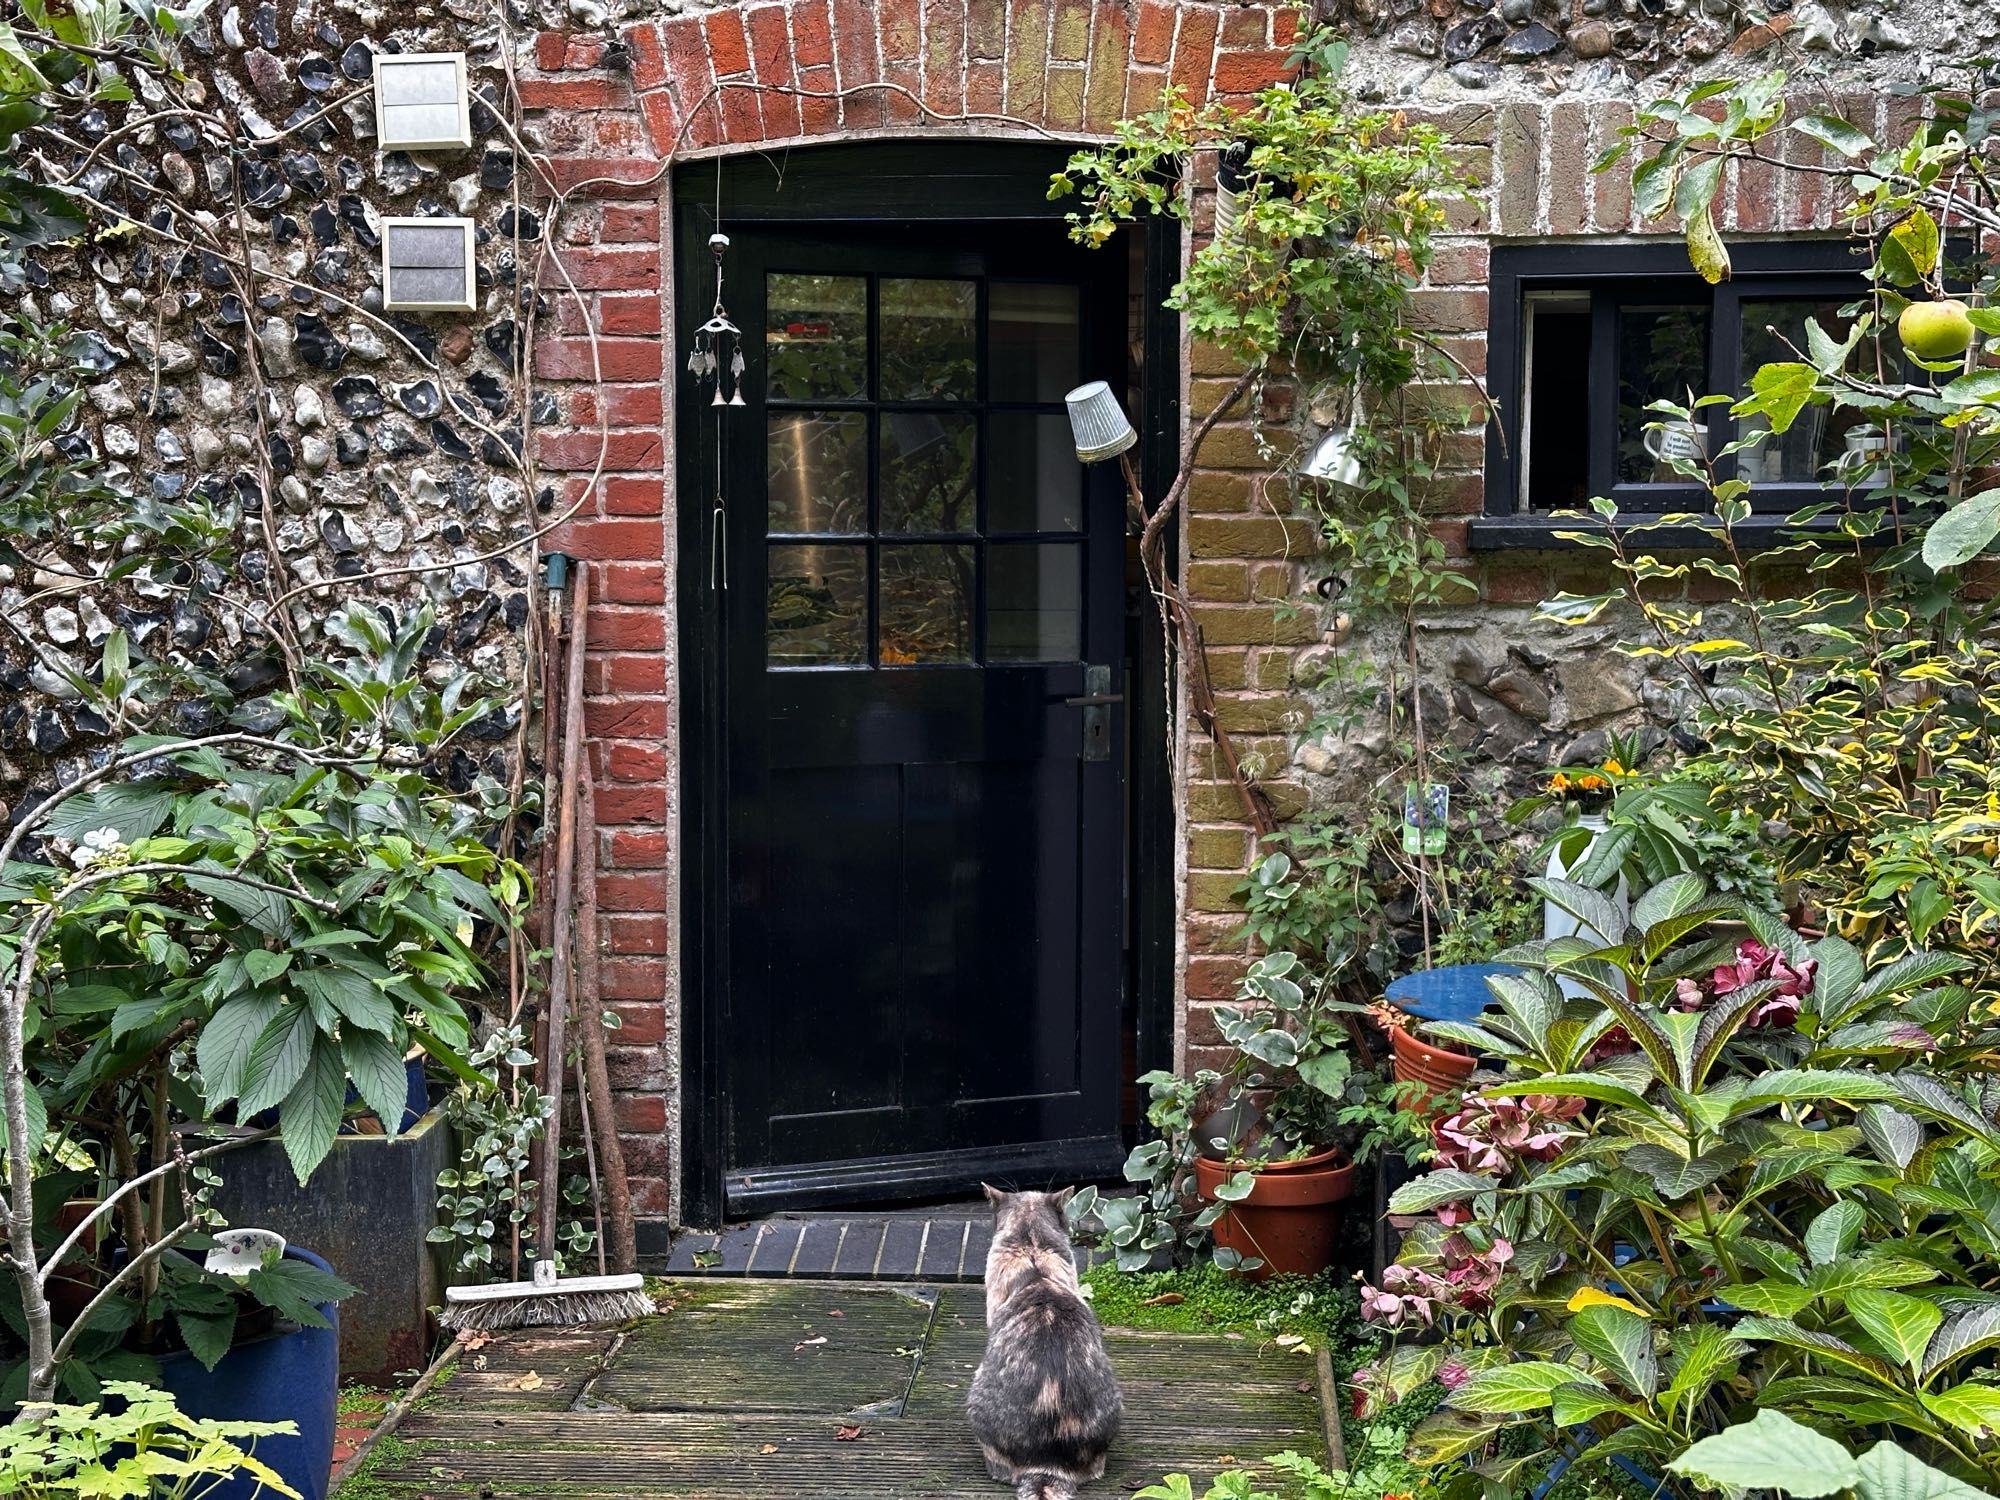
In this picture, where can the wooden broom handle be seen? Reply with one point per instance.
(561, 798)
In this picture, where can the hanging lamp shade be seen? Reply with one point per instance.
(1098, 423)
(1333, 461)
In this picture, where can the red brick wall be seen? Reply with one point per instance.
(762, 73)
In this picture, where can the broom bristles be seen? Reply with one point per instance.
(546, 1309)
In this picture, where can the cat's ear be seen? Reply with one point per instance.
(1061, 1199)
(993, 1194)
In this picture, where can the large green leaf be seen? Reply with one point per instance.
(1703, 1355)
(1834, 1231)
(1447, 1185)
(277, 1060)
(1831, 130)
(1788, 1085)
(1898, 1324)
(226, 1042)
(1510, 1390)
(266, 911)
(1771, 1452)
(1973, 1408)
(37, 1110)
(296, 1290)
(1595, 910)
(1598, 1086)
(352, 996)
(1822, 1345)
(1780, 1299)
(1966, 1331)
(1892, 1135)
(1572, 1404)
(1888, 1472)
(207, 1333)
(1620, 1340)
(380, 1077)
(1675, 896)
(309, 1118)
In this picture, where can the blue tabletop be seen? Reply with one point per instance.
(1456, 992)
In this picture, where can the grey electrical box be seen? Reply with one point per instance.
(422, 102)
(427, 265)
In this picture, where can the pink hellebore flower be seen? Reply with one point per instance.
(1755, 962)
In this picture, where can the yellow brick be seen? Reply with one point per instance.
(1254, 625)
(1219, 848)
(1214, 890)
(1227, 582)
(1252, 536)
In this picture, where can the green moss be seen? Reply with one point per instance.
(363, 1398)
(1323, 1309)
(363, 1483)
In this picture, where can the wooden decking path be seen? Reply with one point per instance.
(781, 1389)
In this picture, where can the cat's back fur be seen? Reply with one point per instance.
(1044, 1403)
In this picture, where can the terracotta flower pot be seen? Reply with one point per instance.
(1289, 1221)
(1439, 1069)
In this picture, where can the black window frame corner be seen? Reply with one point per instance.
(1610, 272)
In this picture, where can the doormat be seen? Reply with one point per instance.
(942, 1245)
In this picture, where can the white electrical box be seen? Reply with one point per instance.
(422, 101)
(427, 266)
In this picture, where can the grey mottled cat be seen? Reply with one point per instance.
(1044, 1403)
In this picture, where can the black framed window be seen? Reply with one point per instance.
(1583, 338)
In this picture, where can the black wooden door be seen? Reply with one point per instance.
(924, 827)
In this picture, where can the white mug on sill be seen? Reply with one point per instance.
(1686, 441)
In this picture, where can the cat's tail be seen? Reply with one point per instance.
(1044, 1486)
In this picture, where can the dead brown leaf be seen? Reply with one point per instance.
(768, 1448)
(1304, 1386)
(528, 1382)
(846, 1434)
(474, 1338)
(808, 1343)
(1165, 1299)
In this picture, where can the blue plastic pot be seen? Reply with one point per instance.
(291, 1375)
(1455, 992)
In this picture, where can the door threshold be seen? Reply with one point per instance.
(946, 1244)
(933, 1175)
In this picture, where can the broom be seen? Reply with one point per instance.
(549, 1299)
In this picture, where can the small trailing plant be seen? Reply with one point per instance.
(139, 1445)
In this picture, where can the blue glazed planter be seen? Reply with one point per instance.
(289, 1376)
(1456, 992)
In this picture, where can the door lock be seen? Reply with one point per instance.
(1096, 701)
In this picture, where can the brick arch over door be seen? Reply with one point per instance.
(730, 78)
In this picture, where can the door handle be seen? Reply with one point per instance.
(1095, 701)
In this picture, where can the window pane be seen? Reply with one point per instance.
(1662, 356)
(816, 466)
(927, 472)
(817, 605)
(1797, 455)
(929, 339)
(1031, 341)
(816, 336)
(1555, 441)
(1034, 601)
(927, 594)
(1033, 481)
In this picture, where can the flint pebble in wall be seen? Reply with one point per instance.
(421, 101)
(427, 265)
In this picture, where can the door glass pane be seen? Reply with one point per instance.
(1662, 356)
(816, 336)
(816, 467)
(817, 605)
(1819, 435)
(929, 339)
(1033, 481)
(1034, 601)
(1031, 341)
(927, 594)
(927, 472)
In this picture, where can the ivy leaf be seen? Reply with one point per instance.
(1963, 532)
(1771, 1452)
(1622, 1342)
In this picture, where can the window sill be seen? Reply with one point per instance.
(1538, 533)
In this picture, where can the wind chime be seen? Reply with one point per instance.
(718, 346)
(718, 341)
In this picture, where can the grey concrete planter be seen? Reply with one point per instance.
(366, 1210)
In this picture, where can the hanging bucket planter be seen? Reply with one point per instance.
(1290, 1221)
(1441, 1070)
(1455, 992)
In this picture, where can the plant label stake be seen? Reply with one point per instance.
(1426, 816)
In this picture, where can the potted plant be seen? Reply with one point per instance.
(1273, 1155)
